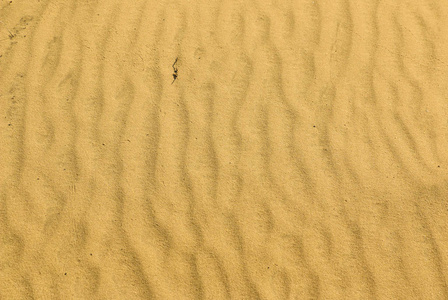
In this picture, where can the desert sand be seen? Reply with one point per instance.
(300, 152)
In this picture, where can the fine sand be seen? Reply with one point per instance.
(301, 152)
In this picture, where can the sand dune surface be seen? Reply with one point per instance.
(203, 149)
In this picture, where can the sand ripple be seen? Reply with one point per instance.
(300, 153)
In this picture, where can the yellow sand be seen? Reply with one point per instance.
(301, 153)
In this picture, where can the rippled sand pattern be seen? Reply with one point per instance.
(301, 153)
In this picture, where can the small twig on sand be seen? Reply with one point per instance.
(175, 71)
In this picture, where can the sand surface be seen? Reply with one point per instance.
(301, 152)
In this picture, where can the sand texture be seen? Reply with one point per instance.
(301, 152)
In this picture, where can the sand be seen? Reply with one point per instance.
(300, 153)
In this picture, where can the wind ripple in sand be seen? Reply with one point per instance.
(298, 155)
